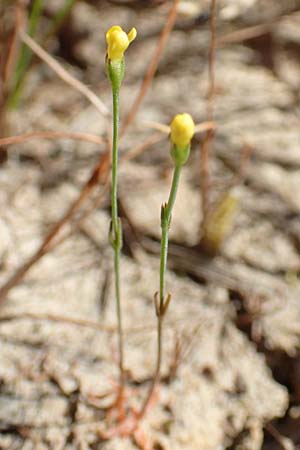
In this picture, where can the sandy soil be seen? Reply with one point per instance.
(234, 315)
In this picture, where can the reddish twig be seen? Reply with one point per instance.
(245, 34)
(64, 75)
(85, 323)
(99, 175)
(8, 53)
(279, 438)
(253, 31)
(94, 139)
(59, 319)
(205, 149)
(152, 67)
(20, 23)
(51, 135)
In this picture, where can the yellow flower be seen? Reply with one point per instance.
(118, 41)
(182, 130)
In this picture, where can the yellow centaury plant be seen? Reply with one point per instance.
(117, 42)
(182, 131)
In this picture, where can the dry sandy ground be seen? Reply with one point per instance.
(236, 316)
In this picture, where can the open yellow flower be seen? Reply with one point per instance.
(182, 130)
(118, 41)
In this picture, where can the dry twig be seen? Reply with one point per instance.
(152, 67)
(51, 135)
(99, 175)
(253, 31)
(20, 21)
(64, 75)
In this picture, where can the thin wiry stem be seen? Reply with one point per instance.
(116, 238)
(162, 304)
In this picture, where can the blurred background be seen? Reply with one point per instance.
(231, 372)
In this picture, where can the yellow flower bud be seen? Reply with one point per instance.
(118, 41)
(182, 130)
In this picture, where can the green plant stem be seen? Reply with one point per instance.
(114, 175)
(162, 306)
(165, 225)
(117, 231)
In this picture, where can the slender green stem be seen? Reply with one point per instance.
(165, 225)
(119, 315)
(117, 231)
(114, 179)
(161, 307)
